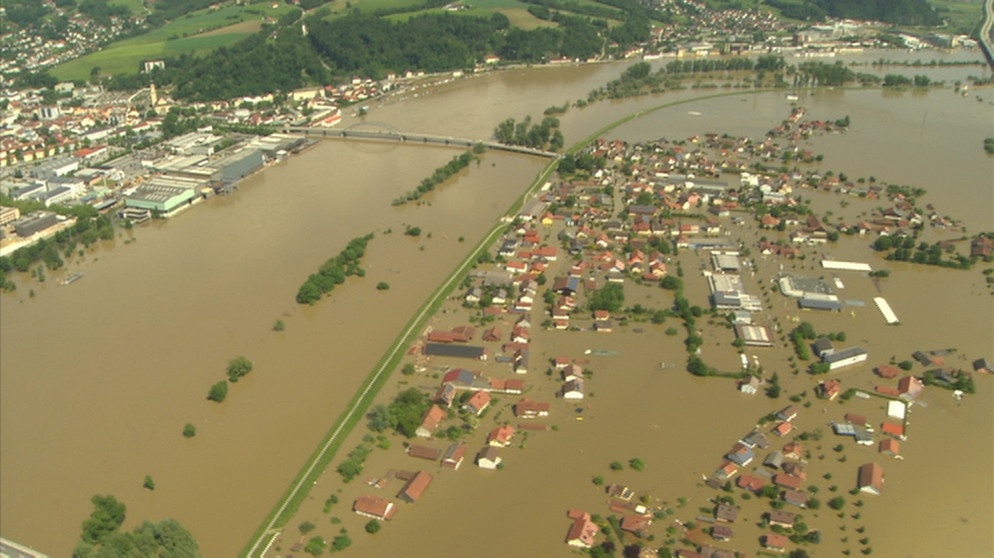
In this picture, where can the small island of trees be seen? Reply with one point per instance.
(334, 271)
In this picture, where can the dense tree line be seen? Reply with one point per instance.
(334, 271)
(440, 175)
(544, 135)
(903, 12)
(254, 66)
(101, 538)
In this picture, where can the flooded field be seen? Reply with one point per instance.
(99, 377)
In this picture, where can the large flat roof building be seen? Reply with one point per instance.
(165, 195)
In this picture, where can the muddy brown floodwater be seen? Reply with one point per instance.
(98, 378)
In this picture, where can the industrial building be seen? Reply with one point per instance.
(165, 196)
(34, 223)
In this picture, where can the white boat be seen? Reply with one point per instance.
(693, 113)
(72, 278)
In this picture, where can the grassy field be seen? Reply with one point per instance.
(964, 15)
(196, 33)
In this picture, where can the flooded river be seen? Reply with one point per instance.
(98, 378)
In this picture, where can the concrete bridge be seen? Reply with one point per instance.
(380, 131)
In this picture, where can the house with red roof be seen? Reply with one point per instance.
(751, 483)
(892, 429)
(582, 532)
(871, 478)
(890, 446)
(433, 417)
(636, 524)
(527, 409)
(413, 490)
(501, 436)
(478, 402)
(775, 542)
(454, 456)
(374, 507)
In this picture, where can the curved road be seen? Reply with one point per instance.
(985, 32)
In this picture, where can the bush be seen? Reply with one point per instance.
(305, 527)
(373, 527)
(616, 466)
(189, 430)
(279, 325)
(636, 464)
(382, 286)
(218, 391)
(149, 483)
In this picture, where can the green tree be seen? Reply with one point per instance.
(340, 542)
(382, 286)
(189, 430)
(315, 546)
(636, 464)
(149, 483)
(238, 367)
(218, 391)
(305, 527)
(106, 517)
(372, 527)
(610, 298)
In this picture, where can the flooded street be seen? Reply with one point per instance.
(98, 378)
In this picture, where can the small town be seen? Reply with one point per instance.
(633, 224)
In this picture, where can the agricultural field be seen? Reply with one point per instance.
(196, 33)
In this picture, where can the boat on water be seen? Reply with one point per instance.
(694, 113)
(72, 278)
(792, 96)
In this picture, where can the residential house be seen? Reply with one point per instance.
(910, 387)
(781, 518)
(890, 446)
(430, 421)
(454, 456)
(774, 460)
(740, 454)
(478, 402)
(788, 413)
(636, 524)
(871, 478)
(787, 481)
(583, 530)
(501, 436)
(573, 389)
(726, 513)
(721, 533)
(424, 452)
(793, 450)
(830, 389)
(528, 409)
(374, 507)
(775, 542)
(892, 429)
(414, 488)
(795, 497)
(751, 483)
(783, 428)
(488, 458)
